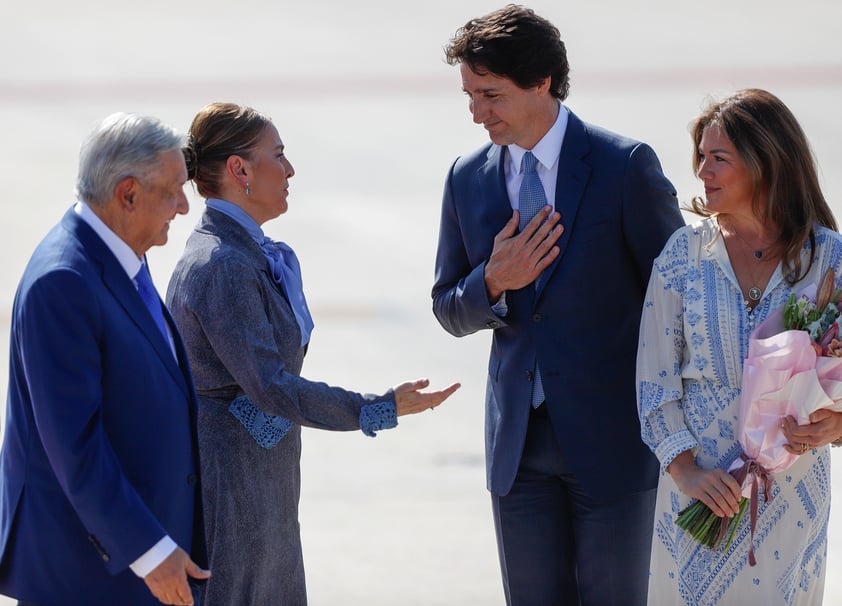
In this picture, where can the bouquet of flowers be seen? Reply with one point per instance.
(793, 368)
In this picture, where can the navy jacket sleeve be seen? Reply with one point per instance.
(460, 300)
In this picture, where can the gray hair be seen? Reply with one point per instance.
(123, 145)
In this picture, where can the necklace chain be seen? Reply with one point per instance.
(759, 254)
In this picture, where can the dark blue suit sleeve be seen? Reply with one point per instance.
(460, 300)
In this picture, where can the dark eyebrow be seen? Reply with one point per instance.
(480, 90)
(715, 151)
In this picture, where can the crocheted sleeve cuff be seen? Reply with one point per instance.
(375, 417)
(267, 430)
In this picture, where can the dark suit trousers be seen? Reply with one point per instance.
(557, 545)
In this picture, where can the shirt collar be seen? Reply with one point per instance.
(126, 257)
(239, 215)
(548, 149)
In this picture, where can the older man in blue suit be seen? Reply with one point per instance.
(98, 471)
(547, 238)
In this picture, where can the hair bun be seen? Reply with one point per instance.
(191, 159)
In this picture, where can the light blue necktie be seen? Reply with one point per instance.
(531, 199)
(150, 297)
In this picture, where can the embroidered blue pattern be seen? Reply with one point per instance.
(267, 430)
(374, 417)
(694, 338)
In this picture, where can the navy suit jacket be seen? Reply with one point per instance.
(582, 326)
(99, 456)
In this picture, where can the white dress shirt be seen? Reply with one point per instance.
(547, 152)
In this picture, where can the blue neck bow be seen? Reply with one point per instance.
(283, 264)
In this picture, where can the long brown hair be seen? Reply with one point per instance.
(777, 154)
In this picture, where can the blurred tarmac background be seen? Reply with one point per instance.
(372, 117)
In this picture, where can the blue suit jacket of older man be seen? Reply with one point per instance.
(582, 323)
(99, 457)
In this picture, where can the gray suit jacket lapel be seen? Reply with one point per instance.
(234, 235)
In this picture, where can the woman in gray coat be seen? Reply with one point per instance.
(238, 301)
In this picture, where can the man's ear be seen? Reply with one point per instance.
(125, 192)
(544, 85)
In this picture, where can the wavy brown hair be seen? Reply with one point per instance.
(515, 43)
(776, 152)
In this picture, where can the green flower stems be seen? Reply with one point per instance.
(706, 527)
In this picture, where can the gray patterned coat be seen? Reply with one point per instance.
(242, 339)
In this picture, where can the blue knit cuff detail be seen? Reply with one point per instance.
(673, 445)
(374, 417)
(267, 430)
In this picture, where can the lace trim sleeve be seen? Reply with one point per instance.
(267, 430)
(375, 417)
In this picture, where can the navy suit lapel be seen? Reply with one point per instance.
(123, 290)
(492, 183)
(572, 178)
(491, 180)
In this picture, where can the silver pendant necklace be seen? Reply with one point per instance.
(754, 292)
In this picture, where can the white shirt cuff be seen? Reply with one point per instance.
(150, 560)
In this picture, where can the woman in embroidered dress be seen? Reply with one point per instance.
(766, 231)
(238, 301)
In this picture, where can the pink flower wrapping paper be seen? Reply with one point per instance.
(782, 376)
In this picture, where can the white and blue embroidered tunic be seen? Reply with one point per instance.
(693, 339)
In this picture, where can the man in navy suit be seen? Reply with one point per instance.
(573, 487)
(98, 471)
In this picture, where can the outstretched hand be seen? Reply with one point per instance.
(518, 259)
(168, 582)
(410, 400)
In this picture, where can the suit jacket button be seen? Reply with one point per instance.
(528, 375)
(192, 479)
(537, 318)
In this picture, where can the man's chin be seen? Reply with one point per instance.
(498, 138)
(161, 240)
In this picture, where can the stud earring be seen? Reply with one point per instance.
(248, 189)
